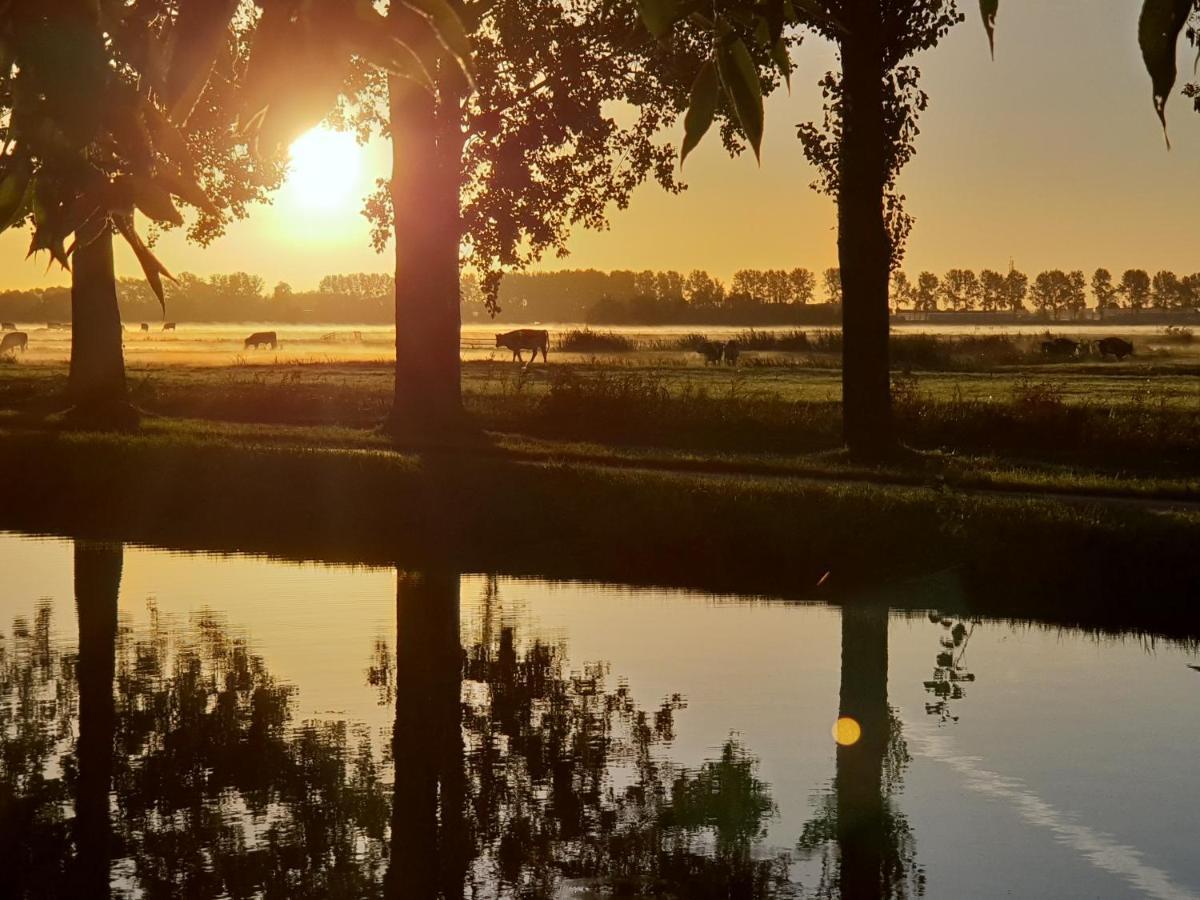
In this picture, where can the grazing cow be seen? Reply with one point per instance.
(711, 351)
(145, 326)
(56, 326)
(14, 340)
(1114, 346)
(732, 352)
(8, 326)
(168, 326)
(534, 339)
(1060, 347)
(260, 338)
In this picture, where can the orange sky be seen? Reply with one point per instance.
(1050, 155)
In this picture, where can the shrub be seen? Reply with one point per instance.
(1177, 334)
(785, 341)
(587, 341)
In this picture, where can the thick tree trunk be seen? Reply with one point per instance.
(864, 248)
(97, 584)
(96, 384)
(860, 801)
(427, 146)
(429, 854)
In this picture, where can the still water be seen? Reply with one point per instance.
(179, 725)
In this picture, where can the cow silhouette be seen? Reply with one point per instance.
(14, 340)
(261, 338)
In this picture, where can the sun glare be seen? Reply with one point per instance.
(323, 168)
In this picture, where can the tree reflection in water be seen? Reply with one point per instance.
(168, 764)
(865, 844)
(550, 778)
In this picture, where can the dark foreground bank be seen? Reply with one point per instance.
(1101, 565)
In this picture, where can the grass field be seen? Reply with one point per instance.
(642, 469)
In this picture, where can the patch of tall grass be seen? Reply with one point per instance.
(585, 340)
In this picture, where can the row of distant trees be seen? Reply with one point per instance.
(1053, 292)
(753, 296)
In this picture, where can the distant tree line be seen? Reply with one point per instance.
(623, 297)
(1053, 293)
(752, 297)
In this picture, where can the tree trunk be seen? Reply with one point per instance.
(860, 801)
(96, 384)
(429, 853)
(97, 584)
(864, 248)
(427, 145)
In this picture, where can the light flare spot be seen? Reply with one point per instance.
(846, 731)
(323, 169)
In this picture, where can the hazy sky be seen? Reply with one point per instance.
(1050, 155)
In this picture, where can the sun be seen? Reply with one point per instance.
(323, 169)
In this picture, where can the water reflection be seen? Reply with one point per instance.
(864, 841)
(167, 763)
(173, 753)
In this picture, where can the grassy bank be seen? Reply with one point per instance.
(476, 508)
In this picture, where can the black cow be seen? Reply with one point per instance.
(8, 326)
(261, 338)
(1060, 347)
(168, 326)
(1114, 346)
(732, 351)
(14, 340)
(711, 351)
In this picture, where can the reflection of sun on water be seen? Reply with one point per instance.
(323, 169)
(846, 731)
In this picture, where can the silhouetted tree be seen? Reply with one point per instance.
(1166, 290)
(991, 291)
(903, 290)
(928, 290)
(1016, 284)
(503, 168)
(833, 285)
(960, 289)
(1105, 292)
(1135, 288)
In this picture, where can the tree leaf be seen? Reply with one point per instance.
(740, 80)
(154, 200)
(988, 10)
(702, 106)
(15, 194)
(660, 15)
(1158, 35)
(186, 189)
(200, 32)
(168, 140)
(151, 267)
(783, 62)
(450, 30)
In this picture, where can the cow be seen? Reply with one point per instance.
(731, 352)
(711, 351)
(1060, 347)
(168, 326)
(259, 338)
(145, 326)
(534, 339)
(56, 326)
(1114, 346)
(8, 326)
(14, 340)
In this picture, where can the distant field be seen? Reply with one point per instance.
(221, 344)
